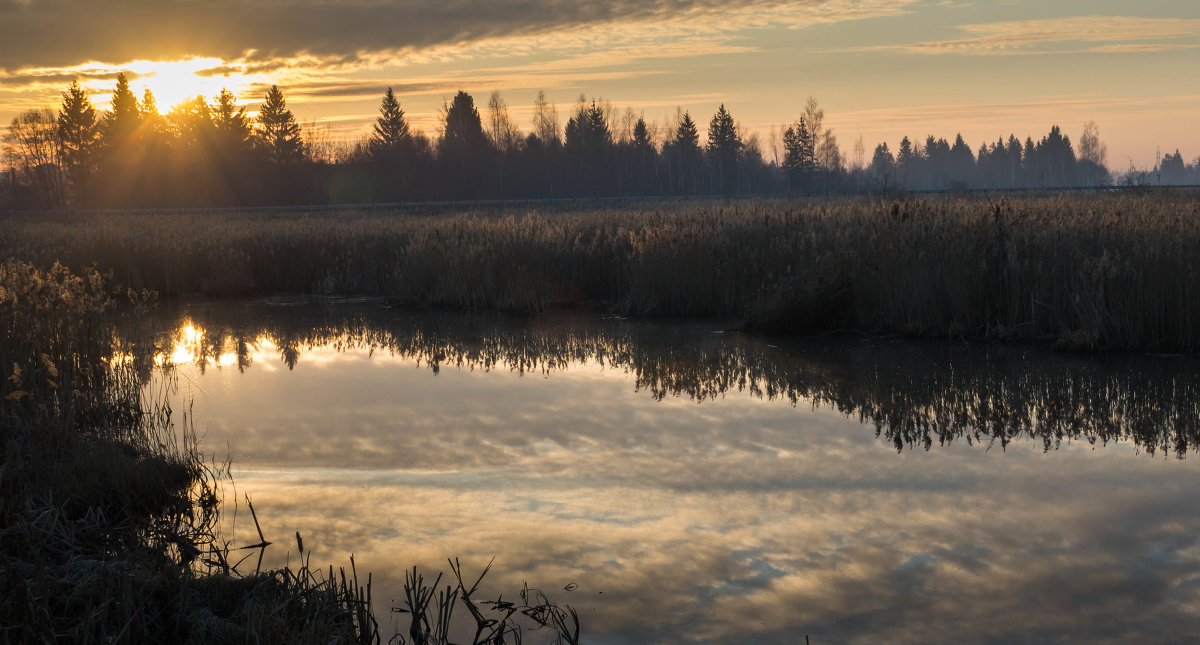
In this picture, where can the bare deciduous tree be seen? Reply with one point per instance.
(31, 149)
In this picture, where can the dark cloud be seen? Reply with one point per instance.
(354, 89)
(68, 32)
(60, 79)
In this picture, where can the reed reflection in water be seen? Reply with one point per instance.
(718, 488)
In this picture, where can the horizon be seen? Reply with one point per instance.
(880, 70)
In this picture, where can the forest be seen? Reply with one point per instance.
(217, 154)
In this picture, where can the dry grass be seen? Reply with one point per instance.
(430, 612)
(1117, 270)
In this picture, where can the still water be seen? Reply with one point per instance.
(691, 485)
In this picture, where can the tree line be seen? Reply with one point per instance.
(206, 153)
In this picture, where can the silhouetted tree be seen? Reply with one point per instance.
(279, 134)
(230, 120)
(31, 150)
(121, 160)
(1093, 155)
(643, 154)
(125, 118)
(799, 155)
(390, 133)
(962, 163)
(882, 166)
(79, 137)
(545, 151)
(906, 158)
(588, 145)
(1171, 169)
(685, 153)
(1055, 159)
(390, 147)
(724, 150)
(234, 148)
(503, 135)
(463, 149)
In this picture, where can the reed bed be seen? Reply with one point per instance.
(1114, 270)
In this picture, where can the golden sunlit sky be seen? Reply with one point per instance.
(881, 69)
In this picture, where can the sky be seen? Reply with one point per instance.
(881, 69)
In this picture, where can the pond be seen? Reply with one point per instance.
(677, 482)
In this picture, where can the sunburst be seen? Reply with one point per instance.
(173, 82)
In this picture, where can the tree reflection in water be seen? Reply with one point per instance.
(916, 394)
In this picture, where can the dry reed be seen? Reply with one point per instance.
(1116, 270)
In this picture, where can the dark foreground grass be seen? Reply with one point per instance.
(108, 515)
(1116, 270)
(108, 510)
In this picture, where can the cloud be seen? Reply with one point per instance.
(1036, 36)
(67, 32)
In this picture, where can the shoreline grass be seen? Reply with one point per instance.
(108, 513)
(1105, 271)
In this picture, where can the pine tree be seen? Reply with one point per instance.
(641, 135)
(234, 147)
(148, 106)
(463, 147)
(78, 134)
(462, 133)
(906, 158)
(121, 124)
(588, 146)
(588, 130)
(230, 120)
(391, 132)
(279, 133)
(724, 149)
(686, 137)
(152, 122)
(799, 153)
(686, 148)
(882, 164)
(643, 151)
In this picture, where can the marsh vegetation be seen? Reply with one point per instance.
(1114, 270)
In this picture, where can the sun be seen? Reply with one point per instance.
(173, 82)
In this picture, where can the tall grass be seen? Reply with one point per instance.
(1095, 271)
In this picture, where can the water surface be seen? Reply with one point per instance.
(700, 486)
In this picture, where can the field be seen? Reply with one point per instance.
(1115, 270)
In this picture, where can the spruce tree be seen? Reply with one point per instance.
(78, 134)
(230, 120)
(686, 137)
(686, 146)
(724, 148)
(391, 132)
(121, 124)
(279, 133)
(643, 150)
(463, 148)
(799, 153)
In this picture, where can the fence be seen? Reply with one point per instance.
(577, 201)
